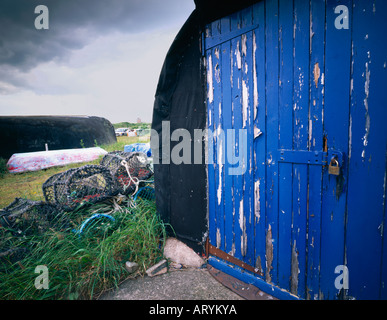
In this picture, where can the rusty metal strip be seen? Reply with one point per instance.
(214, 251)
(243, 289)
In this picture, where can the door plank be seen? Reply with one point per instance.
(286, 25)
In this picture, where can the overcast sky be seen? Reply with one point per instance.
(98, 57)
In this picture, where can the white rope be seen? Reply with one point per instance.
(125, 164)
(135, 180)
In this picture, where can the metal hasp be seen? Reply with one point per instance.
(305, 217)
(313, 158)
(309, 157)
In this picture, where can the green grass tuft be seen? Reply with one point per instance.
(85, 266)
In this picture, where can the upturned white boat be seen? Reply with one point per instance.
(33, 161)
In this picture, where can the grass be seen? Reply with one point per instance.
(131, 125)
(80, 266)
(83, 267)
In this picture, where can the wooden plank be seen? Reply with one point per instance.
(248, 112)
(237, 124)
(215, 30)
(286, 141)
(222, 38)
(225, 26)
(367, 168)
(220, 145)
(315, 128)
(299, 207)
(336, 114)
(214, 251)
(249, 174)
(383, 289)
(246, 18)
(219, 136)
(245, 219)
(227, 124)
(259, 104)
(300, 140)
(211, 162)
(272, 78)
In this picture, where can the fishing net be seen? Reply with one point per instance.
(78, 186)
(112, 160)
(27, 216)
(145, 193)
(11, 255)
(22, 217)
(130, 169)
(97, 225)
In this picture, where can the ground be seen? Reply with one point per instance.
(185, 284)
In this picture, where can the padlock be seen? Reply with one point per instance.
(334, 167)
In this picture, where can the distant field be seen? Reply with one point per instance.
(131, 125)
(29, 184)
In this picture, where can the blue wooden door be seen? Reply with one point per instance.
(290, 77)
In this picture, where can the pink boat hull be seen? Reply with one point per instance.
(34, 161)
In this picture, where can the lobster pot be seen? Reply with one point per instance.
(146, 193)
(87, 184)
(113, 160)
(119, 163)
(27, 215)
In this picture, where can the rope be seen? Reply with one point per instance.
(136, 182)
(93, 217)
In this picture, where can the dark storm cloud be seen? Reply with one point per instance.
(72, 24)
